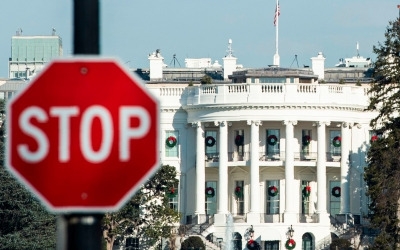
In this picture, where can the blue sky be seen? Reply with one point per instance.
(131, 29)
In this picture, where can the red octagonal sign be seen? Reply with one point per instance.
(83, 135)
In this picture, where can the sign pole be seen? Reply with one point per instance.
(84, 230)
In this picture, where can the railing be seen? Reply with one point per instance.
(278, 93)
(172, 91)
(273, 156)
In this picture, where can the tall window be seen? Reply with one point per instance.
(305, 141)
(239, 195)
(211, 197)
(307, 242)
(273, 137)
(171, 143)
(174, 201)
(272, 245)
(335, 145)
(239, 142)
(305, 200)
(334, 199)
(132, 243)
(211, 143)
(272, 196)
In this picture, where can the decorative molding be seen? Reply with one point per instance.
(347, 124)
(323, 123)
(287, 122)
(256, 122)
(196, 124)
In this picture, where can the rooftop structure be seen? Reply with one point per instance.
(29, 54)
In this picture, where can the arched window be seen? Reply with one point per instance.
(237, 241)
(307, 243)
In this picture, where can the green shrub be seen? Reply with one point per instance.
(193, 242)
(341, 244)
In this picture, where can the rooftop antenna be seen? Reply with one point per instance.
(19, 32)
(358, 54)
(295, 59)
(174, 59)
(53, 32)
(230, 51)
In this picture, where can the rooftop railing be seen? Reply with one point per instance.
(276, 93)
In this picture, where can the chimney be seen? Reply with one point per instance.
(318, 65)
(156, 65)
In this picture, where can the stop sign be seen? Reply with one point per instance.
(83, 135)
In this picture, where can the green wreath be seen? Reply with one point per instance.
(210, 192)
(272, 191)
(337, 141)
(272, 140)
(239, 140)
(336, 191)
(290, 244)
(172, 193)
(306, 140)
(238, 192)
(306, 191)
(210, 141)
(171, 141)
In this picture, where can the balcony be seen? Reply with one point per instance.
(273, 159)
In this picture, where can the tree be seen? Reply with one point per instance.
(383, 171)
(206, 79)
(148, 214)
(385, 89)
(25, 224)
(341, 244)
(193, 242)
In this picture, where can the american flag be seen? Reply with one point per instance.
(277, 13)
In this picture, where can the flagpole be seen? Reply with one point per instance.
(276, 22)
(277, 30)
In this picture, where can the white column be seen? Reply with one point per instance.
(345, 169)
(254, 215)
(200, 173)
(222, 210)
(290, 188)
(321, 172)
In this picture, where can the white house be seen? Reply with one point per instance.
(273, 149)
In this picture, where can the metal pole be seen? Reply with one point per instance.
(83, 231)
(86, 27)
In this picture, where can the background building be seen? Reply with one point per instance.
(29, 54)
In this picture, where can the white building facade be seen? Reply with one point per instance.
(271, 153)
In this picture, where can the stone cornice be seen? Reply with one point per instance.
(276, 107)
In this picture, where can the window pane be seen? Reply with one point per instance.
(239, 148)
(273, 137)
(305, 199)
(272, 201)
(174, 201)
(211, 150)
(334, 201)
(211, 202)
(171, 151)
(335, 150)
(240, 197)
